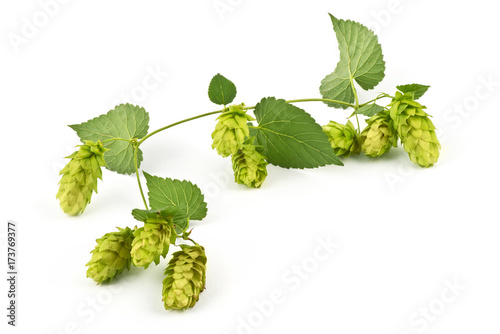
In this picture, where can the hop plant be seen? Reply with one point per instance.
(152, 241)
(231, 130)
(249, 166)
(186, 275)
(79, 177)
(343, 138)
(110, 256)
(415, 129)
(379, 135)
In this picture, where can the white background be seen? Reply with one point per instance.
(404, 233)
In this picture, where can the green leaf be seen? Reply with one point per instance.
(290, 137)
(221, 90)
(125, 121)
(143, 215)
(417, 90)
(164, 192)
(361, 60)
(369, 110)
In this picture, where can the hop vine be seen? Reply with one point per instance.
(278, 133)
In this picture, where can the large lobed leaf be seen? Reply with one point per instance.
(361, 60)
(166, 192)
(290, 137)
(125, 121)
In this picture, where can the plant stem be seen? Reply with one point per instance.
(177, 123)
(357, 120)
(381, 96)
(138, 177)
(246, 108)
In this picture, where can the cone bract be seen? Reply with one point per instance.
(249, 166)
(231, 130)
(416, 130)
(343, 138)
(79, 177)
(152, 242)
(186, 276)
(379, 136)
(110, 256)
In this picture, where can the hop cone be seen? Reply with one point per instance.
(152, 241)
(415, 129)
(111, 256)
(185, 278)
(79, 177)
(231, 130)
(249, 166)
(343, 138)
(379, 136)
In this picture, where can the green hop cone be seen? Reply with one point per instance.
(415, 129)
(79, 177)
(379, 135)
(186, 275)
(111, 256)
(249, 166)
(231, 130)
(343, 138)
(152, 242)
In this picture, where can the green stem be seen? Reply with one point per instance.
(246, 108)
(138, 177)
(357, 120)
(381, 96)
(177, 123)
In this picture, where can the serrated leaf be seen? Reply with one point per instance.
(125, 121)
(369, 110)
(361, 60)
(143, 215)
(290, 137)
(417, 90)
(186, 196)
(221, 90)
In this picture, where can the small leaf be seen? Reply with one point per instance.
(143, 215)
(361, 60)
(125, 121)
(221, 90)
(290, 137)
(369, 110)
(164, 192)
(417, 90)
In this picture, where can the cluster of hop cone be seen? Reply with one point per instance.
(231, 137)
(404, 118)
(117, 251)
(185, 273)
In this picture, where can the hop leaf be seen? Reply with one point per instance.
(416, 130)
(379, 136)
(231, 130)
(79, 177)
(343, 138)
(111, 256)
(152, 241)
(186, 276)
(249, 166)
(221, 90)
